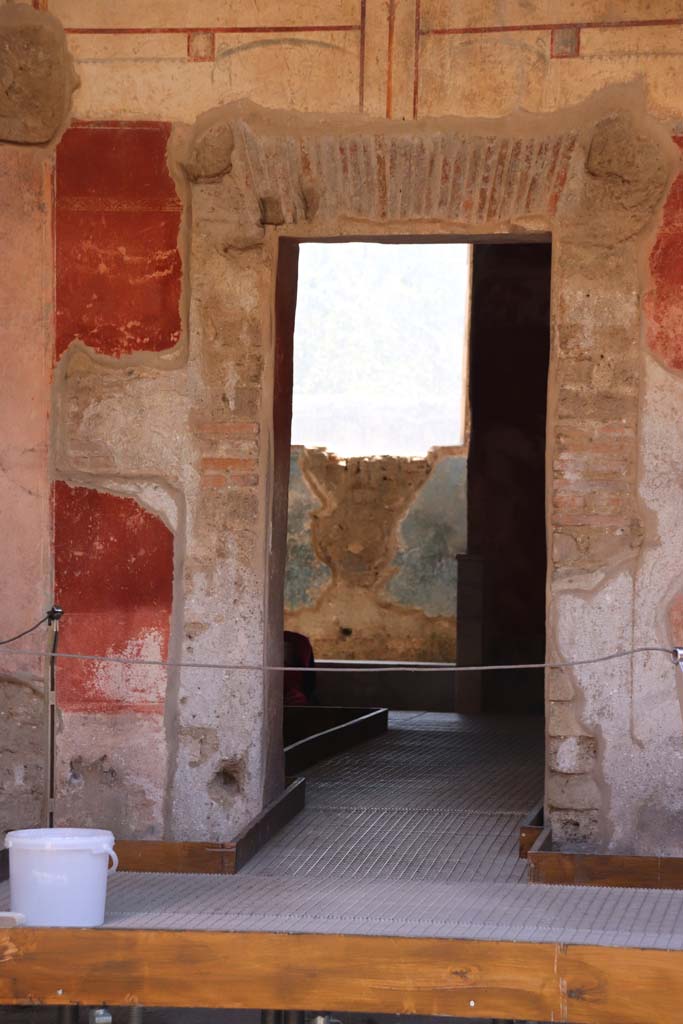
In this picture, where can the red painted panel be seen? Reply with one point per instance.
(114, 579)
(117, 221)
(664, 303)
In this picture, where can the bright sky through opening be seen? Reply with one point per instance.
(379, 347)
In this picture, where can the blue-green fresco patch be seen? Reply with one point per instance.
(305, 575)
(432, 534)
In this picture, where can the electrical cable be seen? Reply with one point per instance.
(54, 616)
(11, 639)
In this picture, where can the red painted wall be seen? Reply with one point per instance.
(665, 302)
(112, 578)
(118, 279)
(117, 221)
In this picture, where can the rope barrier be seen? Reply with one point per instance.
(675, 654)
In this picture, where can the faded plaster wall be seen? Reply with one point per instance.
(371, 554)
(34, 103)
(159, 382)
(25, 527)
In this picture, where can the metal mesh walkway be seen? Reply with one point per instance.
(438, 798)
(411, 834)
(465, 910)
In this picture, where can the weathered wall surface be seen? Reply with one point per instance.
(117, 285)
(371, 554)
(25, 582)
(37, 75)
(172, 412)
(402, 59)
(34, 105)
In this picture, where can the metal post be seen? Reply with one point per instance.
(53, 616)
(295, 1017)
(67, 1015)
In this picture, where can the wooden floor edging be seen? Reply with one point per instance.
(620, 871)
(206, 858)
(365, 974)
(308, 751)
(530, 830)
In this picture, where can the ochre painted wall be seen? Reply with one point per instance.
(174, 59)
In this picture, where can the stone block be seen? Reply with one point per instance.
(576, 791)
(574, 826)
(562, 720)
(571, 755)
(560, 686)
(211, 154)
(565, 548)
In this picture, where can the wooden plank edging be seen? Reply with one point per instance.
(278, 814)
(308, 751)
(530, 829)
(206, 858)
(621, 871)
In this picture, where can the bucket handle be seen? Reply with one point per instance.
(115, 860)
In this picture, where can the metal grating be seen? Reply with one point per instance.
(411, 834)
(470, 910)
(401, 844)
(438, 762)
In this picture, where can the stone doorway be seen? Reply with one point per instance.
(437, 554)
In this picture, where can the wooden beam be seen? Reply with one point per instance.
(364, 974)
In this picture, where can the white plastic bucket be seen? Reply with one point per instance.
(58, 876)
